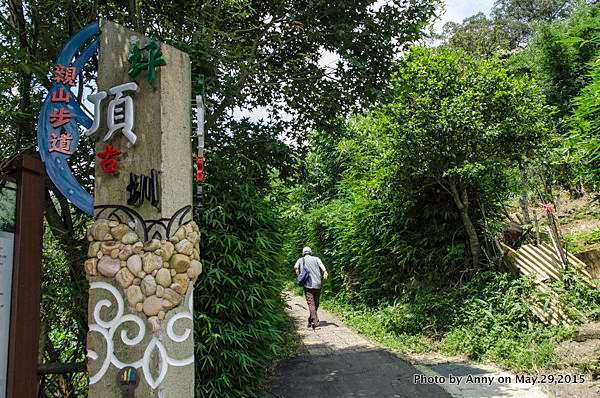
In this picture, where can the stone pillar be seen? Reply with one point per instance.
(143, 258)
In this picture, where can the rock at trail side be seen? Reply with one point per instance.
(154, 324)
(119, 231)
(130, 238)
(173, 297)
(195, 270)
(152, 262)
(168, 249)
(126, 252)
(124, 277)
(153, 245)
(91, 266)
(108, 246)
(573, 352)
(94, 249)
(182, 280)
(138, 248)
(185, 247)
(100, 230)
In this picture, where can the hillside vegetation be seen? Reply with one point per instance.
(405, 203)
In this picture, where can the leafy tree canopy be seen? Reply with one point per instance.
(477, 35)
(518, 17)
(510, 26)
(459, 122)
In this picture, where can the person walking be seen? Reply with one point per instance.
(312, 287)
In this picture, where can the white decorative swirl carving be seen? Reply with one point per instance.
(108, 328)
(93, 355)
(186, 333)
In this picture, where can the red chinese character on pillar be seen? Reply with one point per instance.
(109, 164)
(61, 95)
(60, 117)
(61, 143)
(65, 75)
(200, 169)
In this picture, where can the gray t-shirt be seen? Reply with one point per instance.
(313, 266)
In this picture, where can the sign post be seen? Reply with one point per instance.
(24, 302)
(144, 248)
(143, 256)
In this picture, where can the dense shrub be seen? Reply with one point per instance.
(63, 325)
(239, 314)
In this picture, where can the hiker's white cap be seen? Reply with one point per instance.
(306, 250)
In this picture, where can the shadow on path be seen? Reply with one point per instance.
(336, 362)
(352, 372)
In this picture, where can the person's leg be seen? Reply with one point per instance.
(310, 301)
(316, 296)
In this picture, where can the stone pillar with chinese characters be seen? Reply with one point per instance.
(143, 256)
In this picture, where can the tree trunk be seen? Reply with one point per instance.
(461, 200)
(524, 204)
(524, 199)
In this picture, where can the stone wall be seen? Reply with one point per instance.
(135, 286)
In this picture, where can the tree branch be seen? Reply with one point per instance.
(61, 368)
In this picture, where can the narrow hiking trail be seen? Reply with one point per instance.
(334, 361)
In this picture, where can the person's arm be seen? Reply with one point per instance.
(325, 274)
(297, 267)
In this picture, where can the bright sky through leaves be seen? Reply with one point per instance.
(456, 11)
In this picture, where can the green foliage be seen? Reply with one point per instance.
(509, 28)
(460, 124)
(560, 55)
(239, 317)
(555, 42)
(579, 241)
(489, 318)
(584, 134)
(377, 201)
(378, 206)
(477, 35)
(517, 18)
(382, 325)
(562, 58)
(62, 331)
(458, 117)
(492, 320)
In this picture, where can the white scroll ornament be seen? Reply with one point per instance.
(107, 330)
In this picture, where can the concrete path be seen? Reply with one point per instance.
(335, 361)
